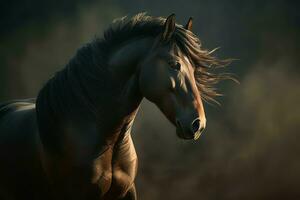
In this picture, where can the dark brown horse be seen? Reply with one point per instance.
(73, 141)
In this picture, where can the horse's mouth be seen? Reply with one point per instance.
(187, 136)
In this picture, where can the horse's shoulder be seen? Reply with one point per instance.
(124, 150)
(124, 164)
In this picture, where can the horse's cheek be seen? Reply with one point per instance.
(147, 85)
(154, 84)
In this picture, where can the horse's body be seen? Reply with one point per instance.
(73, 141)
(21, 170)
(90, 163)
(27, 169)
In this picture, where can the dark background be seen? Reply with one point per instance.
(250, 149)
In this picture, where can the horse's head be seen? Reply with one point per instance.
(167, 78)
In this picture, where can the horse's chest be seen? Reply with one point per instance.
(118, 177)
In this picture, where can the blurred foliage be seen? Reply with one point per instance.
(249, 150)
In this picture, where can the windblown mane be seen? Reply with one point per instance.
(204, 62)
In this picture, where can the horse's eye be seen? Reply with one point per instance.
(176, 66)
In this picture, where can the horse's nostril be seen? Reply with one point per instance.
(195, 125)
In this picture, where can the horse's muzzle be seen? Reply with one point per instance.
(190, 131)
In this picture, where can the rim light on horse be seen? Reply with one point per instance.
(74, 142)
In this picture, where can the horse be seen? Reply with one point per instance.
(73, 141)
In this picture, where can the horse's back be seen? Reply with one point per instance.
(18, 127)
(20, 169)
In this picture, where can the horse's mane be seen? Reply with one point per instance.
(79, 85)
(205, 63)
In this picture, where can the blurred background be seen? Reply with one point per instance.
(250, 148)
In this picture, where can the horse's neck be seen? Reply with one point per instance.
(63, 102)
(123, 64)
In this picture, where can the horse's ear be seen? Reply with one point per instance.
(169, 28)
(189, 24)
